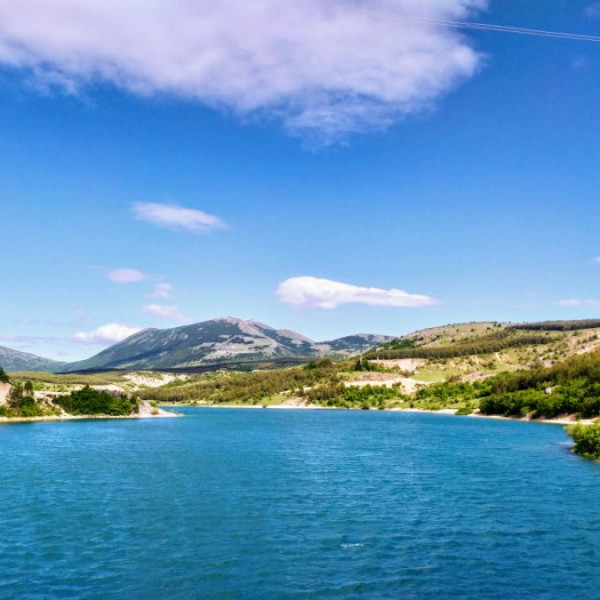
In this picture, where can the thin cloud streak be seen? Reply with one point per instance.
(177, 217)
(163, 291)
(168, 312)
(125, 275)
(579, 303)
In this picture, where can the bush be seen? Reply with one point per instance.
(464, 411)
(353, 396)
(587, 440)
(30, 408)
(88, 401)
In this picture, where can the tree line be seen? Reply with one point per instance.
(572, 386)
(557, 325)
(247, 388)
(486, 344)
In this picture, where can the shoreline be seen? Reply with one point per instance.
(442, 411)
(59, 418)
(169, 414)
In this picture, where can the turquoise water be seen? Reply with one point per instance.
(266, 504)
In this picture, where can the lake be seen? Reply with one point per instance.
(292, 504)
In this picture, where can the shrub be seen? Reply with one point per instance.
(88, 401)
(587, 439)
(30, 408)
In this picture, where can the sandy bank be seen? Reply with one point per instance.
(295, 405)
(146, 412)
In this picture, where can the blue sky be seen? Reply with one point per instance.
(478, 199)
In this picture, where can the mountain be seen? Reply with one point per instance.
(353, 344)
(220, 341)
(14, 360)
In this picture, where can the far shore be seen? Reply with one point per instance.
(566, 420)
(58, 418)
(285, 406)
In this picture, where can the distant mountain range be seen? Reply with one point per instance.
(13, 360)
(234, 343)
(225, 341)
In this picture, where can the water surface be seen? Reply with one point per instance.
(266, 504)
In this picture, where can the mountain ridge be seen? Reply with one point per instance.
(219, 341)
(15, 360)
(230, 342)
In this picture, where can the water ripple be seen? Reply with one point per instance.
(257, 505)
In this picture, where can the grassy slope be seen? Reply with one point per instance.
(561, 345)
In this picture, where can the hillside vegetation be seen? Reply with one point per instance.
(572, 387)
(539, 370)
(558, 325)
(496, 341)
(49, 395)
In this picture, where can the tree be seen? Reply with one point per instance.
(15, 396)
(3, 376)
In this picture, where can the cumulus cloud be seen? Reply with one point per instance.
(106, 334)
(163, 291)
(167, 312)
(321, 67)
(125, 275)
(314, 292)
(176, 217)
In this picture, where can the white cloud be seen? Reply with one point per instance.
(176, 217)
(106, 334)
(125, 275)
(579, 303)
(163, 291)
(313, 292)
(321, 67)
(168, 312)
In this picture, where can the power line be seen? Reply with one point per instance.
(504, 29)
(473, 25)
(494, 28)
